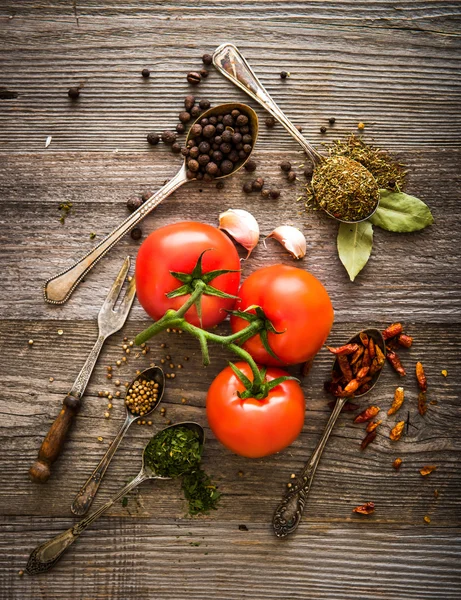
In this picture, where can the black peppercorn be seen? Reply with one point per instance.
(212, 169)
(189, 102)
(274, 193)
(219, 128)
(194, 152)
(244, 129)
(225, 148)
(190, 175)
(291, 176)
(235, 113)
(133, 203)
(241, 120)
(169, 137)
(204, 122)
(205, 104)
(270, 122)
(185, 151)
(204, 73)
(323, 129)
(195, 111)
(227, 136)
(145, 73)
(247, 187)
(285, 165)
(247, 148)
(233, 156)
(74, 93)
(193, 165)
(258, 184)
(265, 193)
(180, 128)
(195, 130)
(184, 116)
(391, 183)
(203, 160)
(136, 233)
(209, 131)
(332, 120)
(308, 171)
(250, 166)
(227, 166)
(219, 185)
(176, 148)
(204, 147)
(217, 156)
(207, 59)
(146, 195)
(194, 78)
(153, 138)
(227, 121)
(284, 74)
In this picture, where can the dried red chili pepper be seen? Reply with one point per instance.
(397, 463)
(348, 406)
(405, 340)
(396, 431)
(363, 388)
(380, 355)
(427, 470)
(394, 360)
(352, 386)
(347, 349)
(365, 509)
(366, 362)
(371, 348)
(422, 403)
(363, 372)
(357, 354)
(345, 367)
(421, 377)
(392, 331)
(367, 414)
(373, 425)
(399, 397)
(368, 439)
(364, 338)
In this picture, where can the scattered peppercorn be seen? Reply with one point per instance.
(270, 122)
(176, 148)
(73, 92)
(332, 120)
(204, 104)
(308, 171)
(133, 203)
(195, 111)
(204, 73)
(247, 188)
(285, 165)
(323, 129)
(274, 193)
(220, 184)
(169, 137)
(258, 184)
(194, 78)
(207, 59)
(250, 166)
(291, 176)
(145, 73)
(265, 193)
(153, 138)
(284, 74)
(136, 233)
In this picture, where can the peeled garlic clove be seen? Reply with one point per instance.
(291, 239)
(242, 226)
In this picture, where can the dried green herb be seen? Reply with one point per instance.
(345, 188)
(355, 242)
(173, 451)
(65, 208)
(200, 492)
(387, 172)
(402, 213)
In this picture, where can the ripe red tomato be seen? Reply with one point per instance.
(296, 303)
(251, 427)
(177, 247)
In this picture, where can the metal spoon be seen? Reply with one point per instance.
(59, 288)
(288, 513)
(232, 64)
(86, 495)
(45, 556)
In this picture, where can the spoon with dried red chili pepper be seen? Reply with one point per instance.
(355, 372)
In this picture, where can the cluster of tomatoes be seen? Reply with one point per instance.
(293, 301)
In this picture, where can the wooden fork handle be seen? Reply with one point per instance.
(54, 441)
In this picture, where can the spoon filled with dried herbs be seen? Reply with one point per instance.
(171, 453)
(143, 396)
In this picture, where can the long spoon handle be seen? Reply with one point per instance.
(45, 556)
(231, 63)
(59, 288)
(84, 499)
(288, 513)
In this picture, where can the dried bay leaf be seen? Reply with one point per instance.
(355, 242)
(401, 213)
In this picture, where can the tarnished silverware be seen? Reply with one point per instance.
(288, 513)
(110, 320)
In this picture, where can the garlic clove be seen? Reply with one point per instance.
(242, 226)
(291, 238)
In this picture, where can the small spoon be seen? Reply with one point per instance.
(59, 288)
(288, 513)
(232, 64)
(86, 495)
(45, 556)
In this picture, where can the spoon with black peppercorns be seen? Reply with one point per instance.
(143, 396)
(218, 144)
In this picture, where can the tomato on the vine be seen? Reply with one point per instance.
(296, 304)
(252, 427)
(177, 248)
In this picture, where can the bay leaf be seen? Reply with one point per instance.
(354, 242)
(401, 213)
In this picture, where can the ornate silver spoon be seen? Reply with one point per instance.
(288, 513)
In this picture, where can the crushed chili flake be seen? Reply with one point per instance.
(368, 439)
(397, 463)
(422, 403)
(373, 425)
(369, 413)
(399, 396)
(396, 431)
(427, 470)
(427, 519)
(421, 377)
(392, 331)
(365, 509)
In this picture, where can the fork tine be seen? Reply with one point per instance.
(127, 301)
(112, 296)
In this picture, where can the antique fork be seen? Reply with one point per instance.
(110, 320)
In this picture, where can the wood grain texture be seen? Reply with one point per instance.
(393, 66)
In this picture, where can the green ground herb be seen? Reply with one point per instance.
(200, 492)
(345, 188)
(173, 451)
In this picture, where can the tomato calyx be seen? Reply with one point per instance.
(258, 388)
(266, 326)
(198, 281)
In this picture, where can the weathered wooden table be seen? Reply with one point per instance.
(393, 66)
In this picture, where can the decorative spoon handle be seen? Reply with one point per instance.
(84, 499)
(230, 62)
(288, 514)
(59, 288)
(45, 556)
